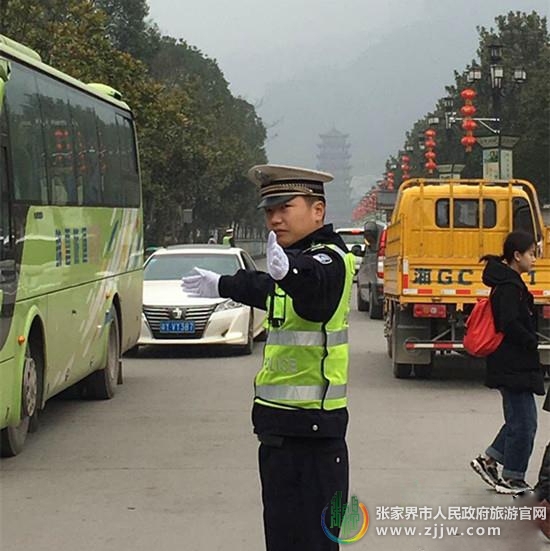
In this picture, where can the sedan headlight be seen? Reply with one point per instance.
(227, 305)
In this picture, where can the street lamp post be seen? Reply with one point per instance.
(494, 124)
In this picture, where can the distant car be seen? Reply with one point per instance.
(354, 239)
(370, 278)
(171, 317)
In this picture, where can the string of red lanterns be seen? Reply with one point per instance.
(468, 110)
(367, 205)
(430, 155)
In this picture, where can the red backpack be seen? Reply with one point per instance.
(481, 338)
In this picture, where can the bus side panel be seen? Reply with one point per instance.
(75, 334)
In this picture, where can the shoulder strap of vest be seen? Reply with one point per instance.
(330, 246)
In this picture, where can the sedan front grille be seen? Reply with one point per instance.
(199, 314)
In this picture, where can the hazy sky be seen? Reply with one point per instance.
(311, 64)
(260, 41)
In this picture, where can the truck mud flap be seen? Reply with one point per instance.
(406, 328)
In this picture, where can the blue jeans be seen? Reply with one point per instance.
(514, 443)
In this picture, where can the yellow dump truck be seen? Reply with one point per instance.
(432, 274)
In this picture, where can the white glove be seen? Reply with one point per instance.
(277, 260)
(204, 284)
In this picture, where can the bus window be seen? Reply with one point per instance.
(58, 136)
(6, 240)
(128, 162)
(83, 121)
(522, 219)
(27, 146)
(109, 157)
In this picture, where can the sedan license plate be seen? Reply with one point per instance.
(177, 326)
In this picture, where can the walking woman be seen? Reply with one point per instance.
(514, 368)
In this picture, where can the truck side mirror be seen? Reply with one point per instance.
(371, 233)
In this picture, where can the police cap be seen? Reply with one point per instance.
(279, 184)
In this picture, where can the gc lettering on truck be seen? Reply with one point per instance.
(443, 276)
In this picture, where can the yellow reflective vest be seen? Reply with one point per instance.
(305, 362)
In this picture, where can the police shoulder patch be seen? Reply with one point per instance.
(323, 258)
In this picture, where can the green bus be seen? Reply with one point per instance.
(71, 240)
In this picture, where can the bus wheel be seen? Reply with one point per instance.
(12, 439)
(100, 385)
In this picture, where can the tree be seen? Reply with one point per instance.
(128, 28)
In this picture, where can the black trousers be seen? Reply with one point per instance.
(299, 478)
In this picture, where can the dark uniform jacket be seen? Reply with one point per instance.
(316, 288)
(515, 364)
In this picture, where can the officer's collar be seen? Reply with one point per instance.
(323, 235)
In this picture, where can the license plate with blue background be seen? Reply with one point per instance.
(177, 326)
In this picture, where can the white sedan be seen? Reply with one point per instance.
(170, 317)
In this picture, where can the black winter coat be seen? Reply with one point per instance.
(515, 364)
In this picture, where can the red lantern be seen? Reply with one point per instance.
(468, 110)
(430, 155)
(468, 94)
(468, 142)
(431, 166)
(469, 124)
(430, 144)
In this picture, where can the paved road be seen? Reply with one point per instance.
(170, 463)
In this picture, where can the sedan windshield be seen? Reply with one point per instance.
(175, 266)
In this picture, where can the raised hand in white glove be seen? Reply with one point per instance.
(203, 284)
(277, 260)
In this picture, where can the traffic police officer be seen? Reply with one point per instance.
(299, 411)
(228, 238)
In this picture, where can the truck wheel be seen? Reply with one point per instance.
(423, 371)
(402, 371)
(362, 305)
(376, 308)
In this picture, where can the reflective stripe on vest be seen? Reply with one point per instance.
(307, 338)
(287, 392)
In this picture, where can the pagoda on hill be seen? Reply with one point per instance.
(334, 157)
